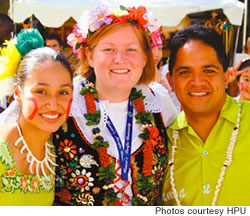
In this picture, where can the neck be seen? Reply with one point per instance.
(31, 134)
(114, 95)
(242, 98)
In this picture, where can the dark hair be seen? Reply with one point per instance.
(200, 33)
(37, 57)
(244, 64)
(6, 27)
(54, 36)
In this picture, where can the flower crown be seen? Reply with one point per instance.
(91, 22)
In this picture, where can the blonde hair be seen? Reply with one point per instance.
(148, 74)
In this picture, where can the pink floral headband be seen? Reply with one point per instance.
(91, 22)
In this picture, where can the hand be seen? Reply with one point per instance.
(232, 73)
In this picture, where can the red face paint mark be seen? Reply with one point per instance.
(68, 109)
(32, 115)
(242, 87)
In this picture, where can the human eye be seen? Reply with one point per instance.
(184, 72)
(109, 50)
(40, 91)
(64, 92)
(131, 49)
(209, 71)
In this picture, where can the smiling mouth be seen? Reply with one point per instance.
(50, 117)
(120, 71)
(199, 94)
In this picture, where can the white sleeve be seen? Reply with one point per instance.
(11, 114)
(168, 110)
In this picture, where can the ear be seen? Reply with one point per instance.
(89, 56)
(170, 81)
(17, 93)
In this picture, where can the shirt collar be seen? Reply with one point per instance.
(229, 112)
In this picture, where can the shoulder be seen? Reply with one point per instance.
(245, 107)
(7, 131)
(158, 101)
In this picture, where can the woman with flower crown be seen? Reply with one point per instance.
(113, 148)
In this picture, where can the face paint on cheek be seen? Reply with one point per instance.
(32, 115)
(68, 109)
(242, 87)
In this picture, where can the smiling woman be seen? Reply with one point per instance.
(113, 149)
(43, 90)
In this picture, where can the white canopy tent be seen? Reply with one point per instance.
(53, 13)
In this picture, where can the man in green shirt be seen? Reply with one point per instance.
(209, 158)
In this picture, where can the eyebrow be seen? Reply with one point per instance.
(211, 66)
(63, 85)
(205, 66)
(181, 68)
(110, 43)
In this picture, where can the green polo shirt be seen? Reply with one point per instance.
(197, 165)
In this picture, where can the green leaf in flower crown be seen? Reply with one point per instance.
(122, 7)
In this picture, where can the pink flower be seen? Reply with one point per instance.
(99, 16)
(156, 38)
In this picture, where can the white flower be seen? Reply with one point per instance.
(83, 24)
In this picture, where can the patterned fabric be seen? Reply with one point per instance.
(19, 189)
(76, 176)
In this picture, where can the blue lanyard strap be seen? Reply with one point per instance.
(124, 154)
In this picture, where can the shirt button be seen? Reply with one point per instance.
(205, 152)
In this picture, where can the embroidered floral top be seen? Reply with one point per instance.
(22, 190)
(77, 175)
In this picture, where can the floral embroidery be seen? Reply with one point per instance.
(10, 173)
(5, 155)
(24, 183)
(82, 180)
(68, 148)
(8, 185)
(35, 184)
(87, 160)
(46, 184)
(11, 180)
(85, 199)
(158, 173)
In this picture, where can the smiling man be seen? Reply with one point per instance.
(210, 147)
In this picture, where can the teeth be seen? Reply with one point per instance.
(198, 93)
(50, 116)
(120, 71)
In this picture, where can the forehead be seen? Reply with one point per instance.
(247, 73)
(121, 35)
(51, 41)
(196, 53)
(48, 71)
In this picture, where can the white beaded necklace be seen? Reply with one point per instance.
(227, 162)
(30, 158)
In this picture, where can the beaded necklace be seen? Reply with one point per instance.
(227, 162)
(150, 136)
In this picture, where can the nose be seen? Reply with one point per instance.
(52, 103)
(119, 57)
(198, 79)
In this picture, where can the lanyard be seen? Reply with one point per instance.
(124, 154)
